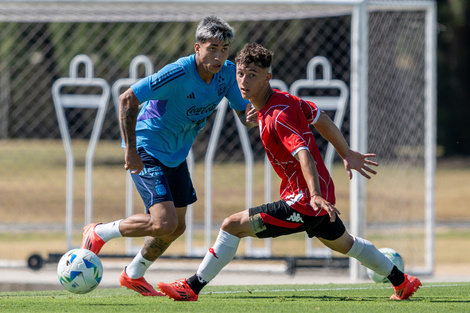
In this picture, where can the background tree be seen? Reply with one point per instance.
(454, 77)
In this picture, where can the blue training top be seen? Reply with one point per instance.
(177, 103)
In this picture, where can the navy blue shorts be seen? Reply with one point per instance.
(158, 183)
(278, 218)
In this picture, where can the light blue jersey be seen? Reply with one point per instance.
(176, 102)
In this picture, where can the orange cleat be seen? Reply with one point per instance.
(406, 289)
(178, 291)
(139, 285)
(91, 240)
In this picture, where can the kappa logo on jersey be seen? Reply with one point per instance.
(191, 96)
(296, 218)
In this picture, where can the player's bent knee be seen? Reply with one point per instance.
(179, 231)
(226, 223)
(231, 225)
(163, 228)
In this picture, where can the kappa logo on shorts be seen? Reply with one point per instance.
(296, 218)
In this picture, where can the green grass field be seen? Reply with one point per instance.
(32, 192)
(432, 297)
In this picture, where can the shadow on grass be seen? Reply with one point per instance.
(307, 297)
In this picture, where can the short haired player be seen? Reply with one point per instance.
(307, 190)
(176, 102)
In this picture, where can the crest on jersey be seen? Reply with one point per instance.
(221, 89)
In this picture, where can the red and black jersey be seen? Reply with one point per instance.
(284, 130)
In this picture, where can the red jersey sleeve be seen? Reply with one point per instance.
(292, 128)
(311, 111)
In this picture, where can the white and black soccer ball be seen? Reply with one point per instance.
(393, 256)
(80, 271)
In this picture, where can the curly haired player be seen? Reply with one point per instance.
(307, 190)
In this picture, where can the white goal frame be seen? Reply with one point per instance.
(358, 93)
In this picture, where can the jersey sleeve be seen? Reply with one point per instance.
(289, 128)
(142, 89)
(158, 86)
(311, 111)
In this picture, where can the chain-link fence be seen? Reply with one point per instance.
(38, 41)
(34, 55)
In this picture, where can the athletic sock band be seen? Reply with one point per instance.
(369, 256)
(108, 231)
(218, 256)
(138, 266)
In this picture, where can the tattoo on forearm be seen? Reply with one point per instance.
(154, 248)
(127, 125)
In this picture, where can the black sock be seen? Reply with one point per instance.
(196, 283)
(396, 277)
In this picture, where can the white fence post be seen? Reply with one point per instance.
(116, 92)
(62, 101)
(327, 103)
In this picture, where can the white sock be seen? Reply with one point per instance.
(108, 231)
(138, 266)
(218, 256)
(369, 256)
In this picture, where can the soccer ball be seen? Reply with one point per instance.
(80, 271)
(393, 256)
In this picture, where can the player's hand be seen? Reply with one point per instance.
(251, 116)
(133, 161)
(359, 162)
(318, 203)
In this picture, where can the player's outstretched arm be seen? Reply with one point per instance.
(359, 162)
(352, 160)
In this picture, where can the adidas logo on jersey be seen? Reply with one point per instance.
(191, 96)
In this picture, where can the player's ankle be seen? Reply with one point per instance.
(396, 277)
(196, 283)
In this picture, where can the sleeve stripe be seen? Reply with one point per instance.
(316, 117)
(298, 149)
(165, 79)
(292, 130)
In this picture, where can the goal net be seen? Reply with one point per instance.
(382, 51)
